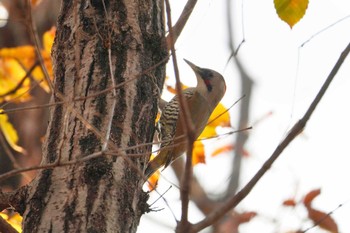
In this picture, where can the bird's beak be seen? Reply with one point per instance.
(193, 66)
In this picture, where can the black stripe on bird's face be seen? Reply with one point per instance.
(206, 75)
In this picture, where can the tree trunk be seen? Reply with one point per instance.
(103, 194)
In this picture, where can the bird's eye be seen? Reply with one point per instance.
(206, 74)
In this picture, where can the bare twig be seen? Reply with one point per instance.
(181, 22)
(293, 133)
(114, 92)
(34, 35)
(14, 172)
(323, 30)
(198, 194)
(188, 129)
(11, 156)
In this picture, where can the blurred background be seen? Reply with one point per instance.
(31, 125)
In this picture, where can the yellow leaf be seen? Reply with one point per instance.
(15, 220)
(10, 133)
(220, 117)
(291, 11)
(26, 57)
(208, 132)
(13, 83)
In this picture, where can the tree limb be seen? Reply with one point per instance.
(189, 131)
(181, 22)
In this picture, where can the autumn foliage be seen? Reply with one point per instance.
(319, 218)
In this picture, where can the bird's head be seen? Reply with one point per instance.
(210, 84)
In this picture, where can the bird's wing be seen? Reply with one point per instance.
(170, 116)
(169, 120)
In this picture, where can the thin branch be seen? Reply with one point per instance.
(293, 133)
(323, 30)
(11, 156)
(34, 35)
(197, 194)
(188, 129)
(114, 92)
(14, 172)
(181, 22)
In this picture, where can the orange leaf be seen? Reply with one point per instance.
(35, 2)
(223, 149)
(153, 181)
(310, 196)
(322, 220)
(198, 153)
(289, 202)
(245, 217)
(228, 148)
(157, 117)
(48, 39)
(173, 90)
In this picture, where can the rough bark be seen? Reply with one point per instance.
(103, 194)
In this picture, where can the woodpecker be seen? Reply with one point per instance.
(201, 101)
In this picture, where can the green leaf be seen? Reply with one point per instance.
(291, 11)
